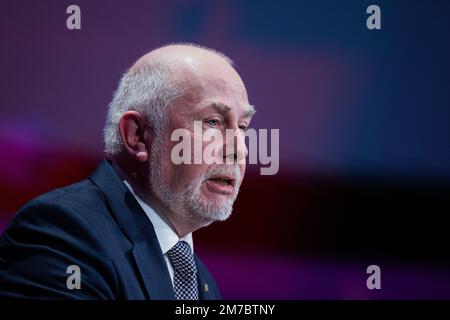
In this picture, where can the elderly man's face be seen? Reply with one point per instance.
(204, 192)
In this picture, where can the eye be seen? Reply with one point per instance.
(213, 122)
(243, 128)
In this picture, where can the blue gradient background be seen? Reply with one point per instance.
(366, 112)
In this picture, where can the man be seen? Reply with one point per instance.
(126, 231)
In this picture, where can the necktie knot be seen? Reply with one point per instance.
(181, 257)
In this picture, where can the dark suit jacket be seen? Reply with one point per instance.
(98, 225)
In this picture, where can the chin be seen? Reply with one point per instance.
(214, 210)
(206, 207)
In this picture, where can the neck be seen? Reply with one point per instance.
(138, 179)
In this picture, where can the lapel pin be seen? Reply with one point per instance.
(206, 287)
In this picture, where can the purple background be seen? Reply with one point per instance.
(363, 117)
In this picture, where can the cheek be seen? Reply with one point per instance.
(181, 176)
(242, 169)
(170, 171)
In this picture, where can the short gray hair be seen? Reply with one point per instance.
(148, 90)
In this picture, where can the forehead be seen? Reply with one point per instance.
(213, 93)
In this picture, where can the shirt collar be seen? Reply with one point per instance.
(167, 237)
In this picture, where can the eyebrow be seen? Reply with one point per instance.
(221, 107)
(250, 111)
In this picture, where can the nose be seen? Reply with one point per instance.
(235, 149)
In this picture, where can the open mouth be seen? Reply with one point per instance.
(221, 184)
(223, 180)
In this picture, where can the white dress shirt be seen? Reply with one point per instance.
(167, 237)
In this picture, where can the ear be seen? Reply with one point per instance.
(133, 131)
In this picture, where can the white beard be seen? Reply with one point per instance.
(190, 202)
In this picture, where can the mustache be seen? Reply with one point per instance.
(227, 170)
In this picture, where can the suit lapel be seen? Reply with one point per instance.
(136, 226)
(207, 288)
(152, 266)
